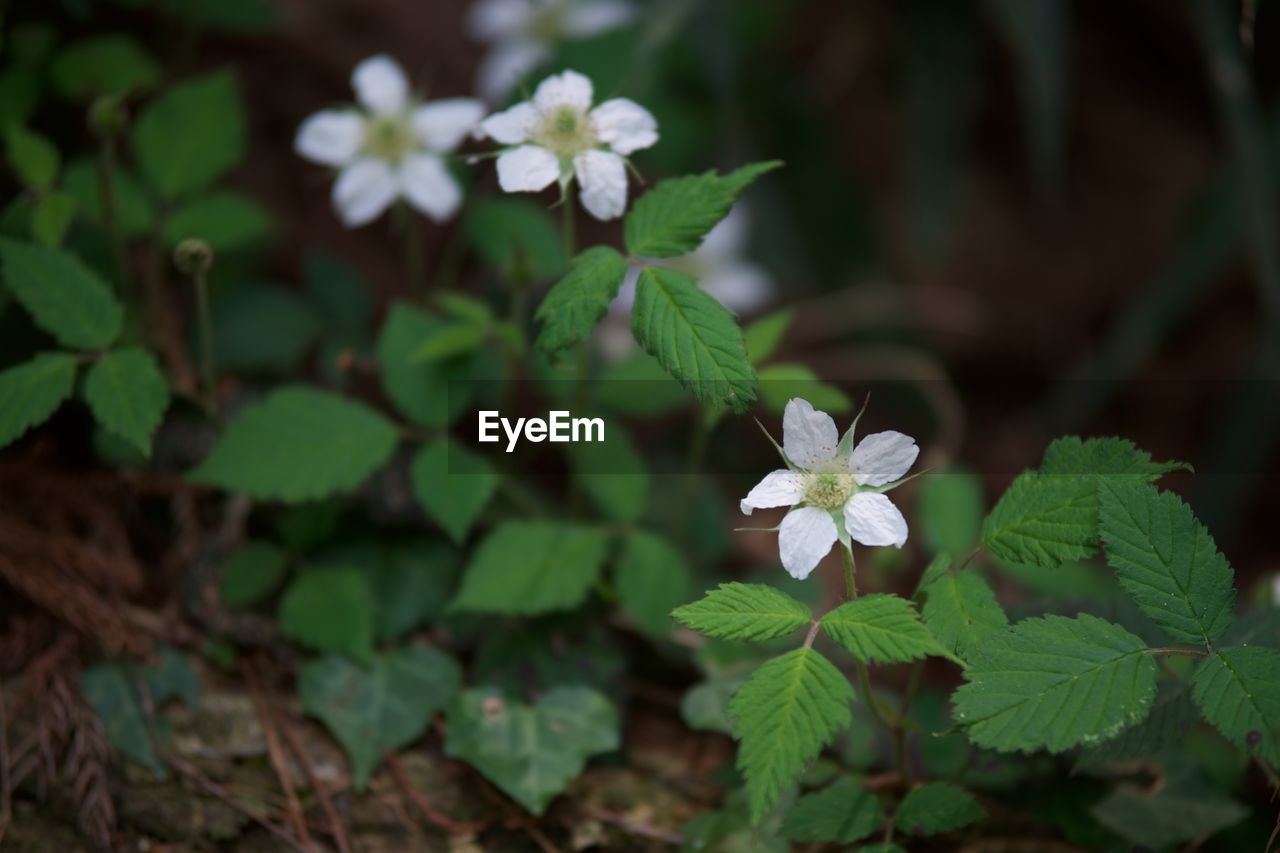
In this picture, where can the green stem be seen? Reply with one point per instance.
(566, 225)
(850, 573)
(200, 277)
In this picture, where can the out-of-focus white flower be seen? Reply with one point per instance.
(390, 146)
(835, 490)
(557, 136)
(523, 33)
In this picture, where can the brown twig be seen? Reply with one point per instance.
(430, 812)
(257, 692)
(216, 790)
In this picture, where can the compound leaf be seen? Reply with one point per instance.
(744, 611)
(31, 392)
(571, 309)
(1238, 690)
(881, 628)
(128, 395)
(64, 297)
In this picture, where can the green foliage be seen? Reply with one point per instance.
(1238, 690)
(842, 813)
(330, 610)
(1103, 457)
(531, 751)
(51, 217)
(252, 573)
(1181, 809)
(652, 578)
(128, 395)
(191, 135)
(613, 475)
(412, 582)
(571, 309)
(961, 611)
(110, 64)
(31, 392)
(379, 707)
(131, 209)
(781, 382)
(881, 628)
(951, 512)
(744, 611)
(64, 297)
(228, 221)
(783, 715)
(763, 336)
(693, 337)
(674, 217)
(1052, 683)
(1172, 716)
(113, 691)
(515, 236)
(260, 327)
(298, 444)
(419, 389)
(1166, 560)
(453, 485)
(532, 567)
(937, 807)
(33, 159)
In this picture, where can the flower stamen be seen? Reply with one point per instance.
(828, 490)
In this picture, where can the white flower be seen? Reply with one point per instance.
(389, 147)
(557, 136)
(834, 492)
(523, 33)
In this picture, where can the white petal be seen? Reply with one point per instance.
(380, 85)
(586, 19)
(331, 137)
(602, 179)
(527, 169)
(778, 488)
(442, 125)
(740, 286)
(363, 191)
(804, 538)
(490, 20)
(626, 298)
(624, 125)
(566, 89)
(505, 65)
(882, 457)
(809, 437)
(872, 519)
(429, 187)
(513, 126)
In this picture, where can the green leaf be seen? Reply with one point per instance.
(64, 297)
(31, 392)
(450, 340)
(453, 485)
(613, 475)
(339, 292)
(744, 611)
(1052, 683)
(51, 217)
(843, 812)
(261, 327)
(532, 752)
(330, 610)
(783, 715)
(190, 135)
(1172, 716)
(1180, 809)
(1044, 520)
(705, 707)
(298, 444)
(881, 628)
(419, 389)
(381, 707)
(110, 64)
(227, 220)
(673, 217)
(937, 807)
(33, 159)
(1238, 690)
(781, 382)
(532, 567)
(961, 611)
(1166, 560)
(131, 209)
(951, 507)
(516, 236)
(571, 309)
(108, 690)
(412, 583)
(763, 336)
(652, 579)
(693, 337)
(1103, 457)
(128, 395)
(252, 573)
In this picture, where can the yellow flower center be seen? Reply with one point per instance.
(565, 132)
(828, 490)
(389, 138)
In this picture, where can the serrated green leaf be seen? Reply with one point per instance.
(651, 578)
(570, 310)
(1053, 682)
(937, 807)
(453, 485)
(1071, 455)
(673, 217)
(252, 573)
(380, 707)
(783, 715)
(329, 610)
(1043, 520)
(31, 392)
(532, 567)
(1166, 560)
(33, 159)
(1181, 809)
(763, 336)
(298, 444)
(881, 628)
(64, 297)
(190, 135)
(227, 220)
(744, 611)
(110, 64)
(693, 337)
(128, 395)
(1238, 690)
(412, 584)
(532, 752)
(961, 611)
(843, 812)
(51, 217)
(1172, 716)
